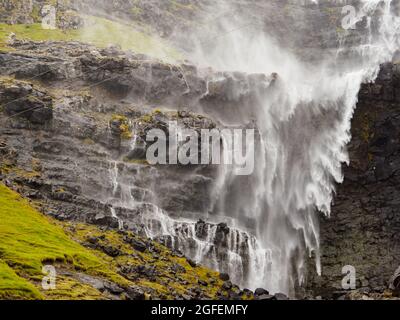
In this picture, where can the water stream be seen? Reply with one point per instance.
(304, 126)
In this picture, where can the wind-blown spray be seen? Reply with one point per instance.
(304, 123)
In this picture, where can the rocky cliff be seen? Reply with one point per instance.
(73, 123)
(363, 230)
(72, 138)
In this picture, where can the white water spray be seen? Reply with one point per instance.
(304, 124)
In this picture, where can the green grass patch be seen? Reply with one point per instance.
(28, 240)
(98, 31)
(14, 287)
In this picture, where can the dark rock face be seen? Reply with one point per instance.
(364, 228)
(20, 99)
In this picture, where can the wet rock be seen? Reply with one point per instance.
(201, 229)
(136, 244)
(138, 153)
(265, 297)
(234, 295)
(192, 263)
(221, 234)
(364, 218)
(62, 195)
(93, 240)
(227, 285)
(165, 241)
(224, 276)
(102, 219)
(112, 251)
(177, 268)
(135, 293)
(260, 292)
(113, 288)
(203, 283)
(147, 271)
(41, 114)
(281, 296)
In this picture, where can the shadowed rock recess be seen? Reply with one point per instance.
(73, 123)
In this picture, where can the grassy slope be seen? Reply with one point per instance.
(98, 31)
(28, 240)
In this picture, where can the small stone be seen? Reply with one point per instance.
(224, 276)
(138, 245)
(112, 251)
(260, 292)
(113, 288)
(192, 263)
(227, 285)
(281, 296)
(203, 283)
(93, 240)
(135, 293)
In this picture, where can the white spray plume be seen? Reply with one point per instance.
(305, 126)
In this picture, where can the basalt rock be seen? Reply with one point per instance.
(20, 99)
(363, 230)
(88, 167)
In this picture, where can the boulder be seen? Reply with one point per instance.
(224, 276)
(260, 292)
(135, 293)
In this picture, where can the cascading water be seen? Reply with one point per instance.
(223, 248)
(304, 125)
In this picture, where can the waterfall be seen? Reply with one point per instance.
(304, 122)
(263, 234)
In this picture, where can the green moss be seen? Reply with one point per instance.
(88, 141)
(124, 126)
(103, 32)
(28, 240)
(34, 32)
(100, 32)
(14, 287)
(146, 118)
(136, 161)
